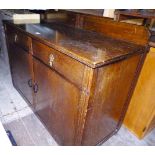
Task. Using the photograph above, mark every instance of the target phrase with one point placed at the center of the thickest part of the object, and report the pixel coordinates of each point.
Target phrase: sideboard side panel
(113, 85)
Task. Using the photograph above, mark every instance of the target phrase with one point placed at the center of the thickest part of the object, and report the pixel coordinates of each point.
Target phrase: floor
(27, 129)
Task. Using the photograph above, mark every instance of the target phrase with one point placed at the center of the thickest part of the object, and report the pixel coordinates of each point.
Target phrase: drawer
(22, 40)
(68, 67)
(9, 33)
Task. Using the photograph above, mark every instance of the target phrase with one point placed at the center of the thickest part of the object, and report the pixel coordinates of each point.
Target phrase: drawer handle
(15, 37)
(51, 59)
(4, 27)
(30, 83)
(35, 88)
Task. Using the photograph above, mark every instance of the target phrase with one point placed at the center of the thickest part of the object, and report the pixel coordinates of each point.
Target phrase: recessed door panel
(21, 69)
(56, 103)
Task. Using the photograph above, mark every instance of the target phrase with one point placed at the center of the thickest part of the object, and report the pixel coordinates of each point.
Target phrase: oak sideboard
(77, 74)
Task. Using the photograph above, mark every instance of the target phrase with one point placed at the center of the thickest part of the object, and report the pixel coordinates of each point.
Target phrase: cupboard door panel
(56, 103)
(21, 69)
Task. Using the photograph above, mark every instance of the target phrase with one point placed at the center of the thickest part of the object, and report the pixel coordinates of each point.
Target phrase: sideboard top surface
(91, 48)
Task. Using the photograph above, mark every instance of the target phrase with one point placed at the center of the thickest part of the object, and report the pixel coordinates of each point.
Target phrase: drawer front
(10, 34)
(22, 40)
(69, 68)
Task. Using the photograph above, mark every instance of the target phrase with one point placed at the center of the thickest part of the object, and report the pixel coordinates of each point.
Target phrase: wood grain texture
(106, 106)
(56, 103)
(20, 64)
(137, 14)
(61, 63)
(141, 113)
(107, 27)
(133, 33)
(89, 47)
(97, 12)
(81, 97)
(22, 40)
(83, 103)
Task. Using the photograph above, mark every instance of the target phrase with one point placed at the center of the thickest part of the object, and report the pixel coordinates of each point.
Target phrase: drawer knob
(35, 88)
(51, 59)
(30, 83)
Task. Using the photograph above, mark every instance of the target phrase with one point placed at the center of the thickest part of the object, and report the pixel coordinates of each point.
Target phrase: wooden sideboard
(76, 75)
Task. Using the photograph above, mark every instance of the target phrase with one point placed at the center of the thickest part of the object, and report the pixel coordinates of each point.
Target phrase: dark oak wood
(82, 79)
(20, 64)
(21, 72)
(90, 48)
(22, 41)
(145, 13)
(112, 86)
(109, 27)
(97, 12)
(61, 63)
(56, 102)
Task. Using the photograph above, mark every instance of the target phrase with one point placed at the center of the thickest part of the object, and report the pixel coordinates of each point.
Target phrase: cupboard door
(56, 103)
(21, 69)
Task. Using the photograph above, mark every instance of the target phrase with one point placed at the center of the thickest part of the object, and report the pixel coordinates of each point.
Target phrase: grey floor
(27, 129)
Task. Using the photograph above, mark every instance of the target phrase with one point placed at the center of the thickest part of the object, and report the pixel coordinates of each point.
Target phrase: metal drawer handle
(4, 27)
(30, 83)
(51, 59)
(15, 37)
(35, 88)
